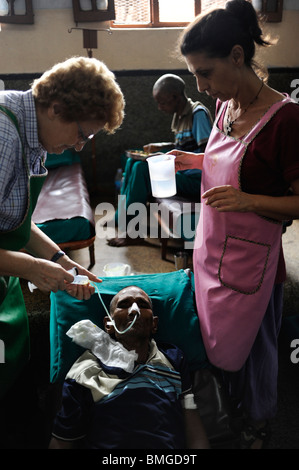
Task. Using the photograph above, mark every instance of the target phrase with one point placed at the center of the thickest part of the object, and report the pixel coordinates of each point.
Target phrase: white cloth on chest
(110, 352)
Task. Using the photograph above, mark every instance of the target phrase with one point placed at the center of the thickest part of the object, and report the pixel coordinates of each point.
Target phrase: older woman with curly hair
(63, 109)
(78, 97)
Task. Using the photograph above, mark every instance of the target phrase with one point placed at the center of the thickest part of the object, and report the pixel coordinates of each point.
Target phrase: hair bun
(244, 12)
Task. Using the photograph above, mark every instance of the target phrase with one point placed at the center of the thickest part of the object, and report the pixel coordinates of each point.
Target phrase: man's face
(166, 102)
(129, 303)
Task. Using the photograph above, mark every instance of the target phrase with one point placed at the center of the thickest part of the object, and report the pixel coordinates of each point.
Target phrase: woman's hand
(51, 277)
(48, 276)
(81, 292)
(228, 199)
(187, 160)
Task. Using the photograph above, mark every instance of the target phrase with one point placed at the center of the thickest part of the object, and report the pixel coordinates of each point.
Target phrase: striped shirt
(110, 408)
(192, 128)
(13, 170)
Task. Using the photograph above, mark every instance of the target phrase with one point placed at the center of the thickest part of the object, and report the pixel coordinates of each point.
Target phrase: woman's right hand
(187, 160)
(48, 276)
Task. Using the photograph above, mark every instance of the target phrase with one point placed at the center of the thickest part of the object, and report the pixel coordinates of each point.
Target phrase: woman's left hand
(228, 199)
(81, 292)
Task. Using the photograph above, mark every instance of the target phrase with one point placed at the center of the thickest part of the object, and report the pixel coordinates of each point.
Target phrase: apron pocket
(243, 264)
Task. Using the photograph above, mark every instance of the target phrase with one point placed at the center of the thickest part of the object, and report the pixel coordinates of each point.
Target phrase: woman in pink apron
(249, 166)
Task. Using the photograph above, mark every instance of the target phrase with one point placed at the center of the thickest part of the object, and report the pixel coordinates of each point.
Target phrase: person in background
(191, 126)
(63, 109)
(144, 403)
(250, 185)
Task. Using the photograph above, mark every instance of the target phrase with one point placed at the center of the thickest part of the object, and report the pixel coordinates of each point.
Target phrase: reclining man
(132, 394)
(191, 125)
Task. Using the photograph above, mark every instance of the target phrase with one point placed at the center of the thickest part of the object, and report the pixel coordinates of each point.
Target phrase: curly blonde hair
(86, 90)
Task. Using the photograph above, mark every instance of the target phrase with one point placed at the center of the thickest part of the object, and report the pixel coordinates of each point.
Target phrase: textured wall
(143, 122)
(35, 48)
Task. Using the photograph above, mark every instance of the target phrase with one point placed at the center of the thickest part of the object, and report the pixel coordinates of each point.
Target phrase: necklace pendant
(228, 128)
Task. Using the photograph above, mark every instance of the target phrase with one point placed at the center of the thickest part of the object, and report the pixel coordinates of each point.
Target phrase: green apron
(14, 329)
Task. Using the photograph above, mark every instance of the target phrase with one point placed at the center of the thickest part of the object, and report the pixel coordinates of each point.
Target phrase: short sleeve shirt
(13, 150)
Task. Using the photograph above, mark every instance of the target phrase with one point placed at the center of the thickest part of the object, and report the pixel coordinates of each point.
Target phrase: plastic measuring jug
(162, 175)
(117, 269)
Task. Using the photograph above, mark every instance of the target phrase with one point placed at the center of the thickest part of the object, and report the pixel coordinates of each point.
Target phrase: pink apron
(235, 256)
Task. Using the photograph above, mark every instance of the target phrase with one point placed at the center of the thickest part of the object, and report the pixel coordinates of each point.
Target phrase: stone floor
(147, 259)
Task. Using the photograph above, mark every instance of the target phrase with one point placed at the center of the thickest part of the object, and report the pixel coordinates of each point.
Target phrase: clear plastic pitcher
(162, 175)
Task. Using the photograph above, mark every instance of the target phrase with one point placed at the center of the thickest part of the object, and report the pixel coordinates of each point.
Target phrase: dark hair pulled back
(218, 31)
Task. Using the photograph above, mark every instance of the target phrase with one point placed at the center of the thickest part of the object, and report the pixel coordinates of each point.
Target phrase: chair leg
(163, 248)
(91, 256)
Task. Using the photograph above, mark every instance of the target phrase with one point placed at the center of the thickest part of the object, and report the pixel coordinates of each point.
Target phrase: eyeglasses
(83, 137)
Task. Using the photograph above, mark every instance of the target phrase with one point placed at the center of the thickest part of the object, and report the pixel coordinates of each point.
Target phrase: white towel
(110, 352)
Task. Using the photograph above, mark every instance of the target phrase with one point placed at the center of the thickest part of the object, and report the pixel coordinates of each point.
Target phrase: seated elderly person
(191, 127)
(126, 392)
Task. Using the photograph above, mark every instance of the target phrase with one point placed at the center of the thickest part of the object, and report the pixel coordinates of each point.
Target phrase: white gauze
(110, 352)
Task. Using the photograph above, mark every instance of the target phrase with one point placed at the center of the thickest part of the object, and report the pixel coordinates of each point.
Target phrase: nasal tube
(112, 322)
(134, 308)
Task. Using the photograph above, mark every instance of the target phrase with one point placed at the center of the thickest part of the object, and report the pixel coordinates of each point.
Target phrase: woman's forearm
(15, 263)
(40, 244)
(278, 208)
(229, 199)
